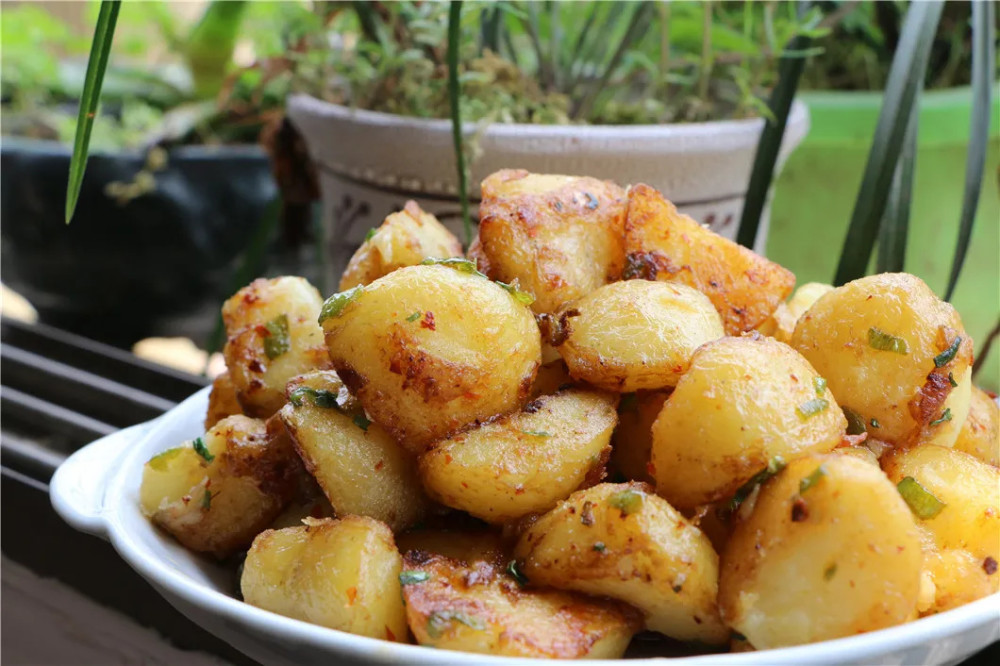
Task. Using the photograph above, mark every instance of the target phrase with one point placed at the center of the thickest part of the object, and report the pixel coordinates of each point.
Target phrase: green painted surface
(815, 193)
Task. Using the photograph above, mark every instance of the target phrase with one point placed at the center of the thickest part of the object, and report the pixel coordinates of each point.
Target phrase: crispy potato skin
(634, 335)
(342, 574)
(470, 353)
(969, 521)
(259, 379)
(980, 434)
(560, 237)
(781, 324)
(526, 462)
(361, 470)
(404, 239)
(903, 392)
(222, 401)
(466, 546)
(647, 555)
(736, 409)
(632, 441)
(841, 558)
(476, 608)
(663, 244)
(252, 476)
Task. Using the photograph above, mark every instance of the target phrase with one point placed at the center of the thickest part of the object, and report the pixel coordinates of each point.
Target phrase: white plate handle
(78, 486)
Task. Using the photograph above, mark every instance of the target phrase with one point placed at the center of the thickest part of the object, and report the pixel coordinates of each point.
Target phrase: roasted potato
(476, 608)
(956, 577)
(551, 377)
(891, 351)
(624, 542)
(342, 574)
(744, 402)
(829, 550)
(526, 462)
(216, 493)
(635, 335)
(222, 401)
(431, 349)
(360, 468)
(463, 545)
(979, 435)
(272, 336)
(663, 244)
(781, 324)
(476, 255)
(405, 239)
(632, 441)
(559, 237)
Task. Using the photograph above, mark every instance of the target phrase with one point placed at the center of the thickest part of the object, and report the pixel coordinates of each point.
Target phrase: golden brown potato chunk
(551, 378)
(632, 442)
(559, 237)
(222, 400)
(431, 349)
(781, 324)
(980, 434)
(829, 550)
(744, 402)
(405, 239)
(624, 542)
(342, 574)
(216, 493)
(663, 244)
(360, 468)
(892, 352)
(635, 335)
(476, 255)
(272, 336)
(476, 608)
(526, 462)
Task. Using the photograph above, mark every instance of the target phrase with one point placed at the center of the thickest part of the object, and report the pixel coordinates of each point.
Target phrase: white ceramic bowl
(97, 491)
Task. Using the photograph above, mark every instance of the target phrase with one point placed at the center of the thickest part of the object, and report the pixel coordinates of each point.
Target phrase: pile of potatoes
(606, 419)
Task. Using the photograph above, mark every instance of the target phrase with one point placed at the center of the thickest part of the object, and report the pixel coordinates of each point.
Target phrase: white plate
(97, 491)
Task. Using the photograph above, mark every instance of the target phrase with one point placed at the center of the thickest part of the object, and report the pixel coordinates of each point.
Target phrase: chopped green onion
(277, 341)
(945, 416)
(202, 450)
(811, 480)
(440, 621)
(820, 385)
(951, 380)
(875, 423)
(459, 264)
(537, 433)
(160, 461)
(362, 422)
(371, 232)
(206, 500)
(627, 501)
(320, 397)
(945, 357)
(522, 297)
(812, 407)
(413, 577)
(335, 305)
(775, 465)
(515, 572)
(855, 422)
(921, 501)
(830, 572)
(885, 342)
(415, 316)
(599, 546)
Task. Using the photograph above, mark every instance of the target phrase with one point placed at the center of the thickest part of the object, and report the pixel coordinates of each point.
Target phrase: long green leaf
(769, 145)
(100, 49)
(906, 77)
(983, 59)
(454, 37)
(896, 219)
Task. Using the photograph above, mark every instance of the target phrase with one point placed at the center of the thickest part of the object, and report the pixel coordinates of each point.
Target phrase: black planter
(121, 272)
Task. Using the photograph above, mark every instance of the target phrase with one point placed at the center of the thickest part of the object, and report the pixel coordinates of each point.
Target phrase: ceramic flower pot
(370, 163)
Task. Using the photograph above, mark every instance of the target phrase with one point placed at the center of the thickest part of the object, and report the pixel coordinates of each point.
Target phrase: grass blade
(100, 49)
(906, 76)
(789, 72)
(896, 219)
(454, 38)
(983, 57)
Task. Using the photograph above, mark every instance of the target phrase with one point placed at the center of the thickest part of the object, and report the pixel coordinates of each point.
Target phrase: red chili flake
(990, 566)
(650, 469)
(379, 465)
(428, 321)
(352, 594)
(447, 458)
(186, 499)
(464, 484)
(800, 510)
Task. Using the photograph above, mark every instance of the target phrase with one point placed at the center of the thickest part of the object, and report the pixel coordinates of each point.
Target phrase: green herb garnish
(459, 264)
(362, 422)
(820, 384)
(627, 501)
(775, 465)
(440, 621)
(885, 342)
(413, 577)
(600, 547)
(921, 501)
(335, 305)
(277, 341)
(522, 297)
(537, 433)
(855, 422)
(515, 572)
(202, 450)
(951, 380)
(830, 572)
(945, 416)
(811, 480)
(160, 461)
(812, 407)
(875, 424)
(319, 397)
(415, 316)
(945, 357)
(371, 232)
(206, 500)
